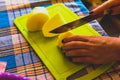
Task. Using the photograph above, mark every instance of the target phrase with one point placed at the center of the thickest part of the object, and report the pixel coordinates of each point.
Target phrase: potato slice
(62, 36)
(51, 24)
(36, 19)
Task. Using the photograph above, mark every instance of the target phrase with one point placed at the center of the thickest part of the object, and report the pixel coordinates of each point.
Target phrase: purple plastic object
(11, 76)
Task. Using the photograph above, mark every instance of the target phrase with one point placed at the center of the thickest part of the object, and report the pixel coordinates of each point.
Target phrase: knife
(77, 23)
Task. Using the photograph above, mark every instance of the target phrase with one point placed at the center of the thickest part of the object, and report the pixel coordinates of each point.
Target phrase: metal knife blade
(76, 23)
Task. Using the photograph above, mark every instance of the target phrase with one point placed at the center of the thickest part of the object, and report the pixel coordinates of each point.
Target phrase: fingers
(106, 6)
(77, 45)
(115, 10)
(82, 59)
(77, 52)
(76, 38)
(85, 60)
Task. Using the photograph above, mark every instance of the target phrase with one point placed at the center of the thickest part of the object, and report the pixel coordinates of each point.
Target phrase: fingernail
(91, 12)
(63, 41)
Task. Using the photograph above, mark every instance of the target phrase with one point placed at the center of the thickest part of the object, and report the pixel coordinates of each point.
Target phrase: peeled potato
(36, 19)
(62, 36)
(51, 24)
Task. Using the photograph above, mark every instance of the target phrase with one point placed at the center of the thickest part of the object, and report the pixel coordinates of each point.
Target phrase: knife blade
(76, 23)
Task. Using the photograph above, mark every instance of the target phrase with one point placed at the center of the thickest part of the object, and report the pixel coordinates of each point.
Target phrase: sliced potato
(51, 24)
(62, 36)
(36, 19)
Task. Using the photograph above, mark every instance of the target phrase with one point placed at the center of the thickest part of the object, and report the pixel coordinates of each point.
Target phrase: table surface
(19, 55)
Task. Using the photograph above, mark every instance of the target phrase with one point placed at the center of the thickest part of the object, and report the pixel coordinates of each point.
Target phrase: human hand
(92, 49)
(112, 6)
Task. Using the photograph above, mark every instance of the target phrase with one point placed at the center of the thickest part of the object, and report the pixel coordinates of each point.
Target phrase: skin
(94, 49)
(110, 5)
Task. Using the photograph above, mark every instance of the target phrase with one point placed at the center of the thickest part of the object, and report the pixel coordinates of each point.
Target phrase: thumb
(105, 6)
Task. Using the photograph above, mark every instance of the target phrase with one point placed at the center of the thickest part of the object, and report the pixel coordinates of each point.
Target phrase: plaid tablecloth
(16, 51)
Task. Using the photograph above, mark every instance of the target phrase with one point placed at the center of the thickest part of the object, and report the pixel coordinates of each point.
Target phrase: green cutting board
(46, 48)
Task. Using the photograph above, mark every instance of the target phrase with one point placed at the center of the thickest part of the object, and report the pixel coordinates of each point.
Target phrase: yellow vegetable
(51, 24)
(62, 36)
(36, 19)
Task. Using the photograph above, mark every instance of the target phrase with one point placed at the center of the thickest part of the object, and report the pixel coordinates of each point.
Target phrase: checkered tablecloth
(19, 55)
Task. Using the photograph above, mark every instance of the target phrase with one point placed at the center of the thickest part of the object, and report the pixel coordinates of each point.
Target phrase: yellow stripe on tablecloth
(8, 5)
(53, 1)
(60, 1)
(26, 3)
(31, 69)
(15, 4)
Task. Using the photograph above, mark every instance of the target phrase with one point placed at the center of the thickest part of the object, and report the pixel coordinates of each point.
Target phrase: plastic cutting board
(47, 50)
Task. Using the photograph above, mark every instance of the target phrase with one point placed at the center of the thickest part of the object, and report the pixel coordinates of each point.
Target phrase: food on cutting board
(39, 19)
(36, 19)
(46, 20)
(51, 24)
(62, 36)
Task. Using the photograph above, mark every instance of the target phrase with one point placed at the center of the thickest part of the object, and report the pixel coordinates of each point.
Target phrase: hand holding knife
(109, 7)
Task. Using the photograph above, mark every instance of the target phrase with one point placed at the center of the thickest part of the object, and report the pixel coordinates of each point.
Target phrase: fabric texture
(19, 55)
